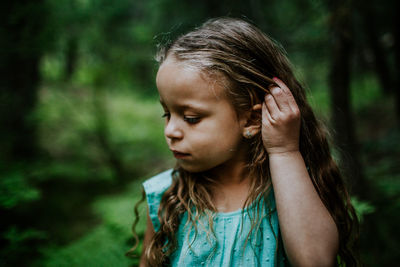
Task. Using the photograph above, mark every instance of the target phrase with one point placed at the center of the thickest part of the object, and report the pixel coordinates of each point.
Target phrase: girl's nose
(172, 130)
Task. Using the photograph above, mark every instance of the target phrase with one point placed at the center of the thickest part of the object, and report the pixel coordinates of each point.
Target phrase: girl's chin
(194, 168)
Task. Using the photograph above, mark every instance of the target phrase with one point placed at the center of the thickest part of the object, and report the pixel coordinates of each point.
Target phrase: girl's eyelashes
(191, 120)
(188, 119)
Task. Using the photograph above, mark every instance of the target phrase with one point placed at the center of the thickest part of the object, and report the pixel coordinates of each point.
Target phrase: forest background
(81, 126)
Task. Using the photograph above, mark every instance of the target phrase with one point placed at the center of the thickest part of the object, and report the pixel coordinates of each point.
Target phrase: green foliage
(99, 125)
(362, 207)
(364, 91)
(52, 67)
(105, 244)
(17, 237)
(71, 128)
(19, 242)
(15, 189)
(105, 43)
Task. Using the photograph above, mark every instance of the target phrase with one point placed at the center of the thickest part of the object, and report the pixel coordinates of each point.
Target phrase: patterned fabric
(228, 244)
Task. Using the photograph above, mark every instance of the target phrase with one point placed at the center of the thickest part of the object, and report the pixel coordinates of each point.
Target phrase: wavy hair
(247, 59)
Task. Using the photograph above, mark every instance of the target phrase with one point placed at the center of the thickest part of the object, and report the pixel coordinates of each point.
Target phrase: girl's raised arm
(309, 233)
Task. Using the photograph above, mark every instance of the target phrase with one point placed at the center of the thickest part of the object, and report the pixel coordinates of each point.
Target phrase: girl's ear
(253, 123)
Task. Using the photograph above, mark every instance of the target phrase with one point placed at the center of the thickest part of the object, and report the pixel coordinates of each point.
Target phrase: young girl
(254, 183)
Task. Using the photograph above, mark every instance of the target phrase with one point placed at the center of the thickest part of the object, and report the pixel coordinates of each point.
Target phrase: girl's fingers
(289, 96)
(271, 107)
(281, 84)
(266, 116)
(280, 98)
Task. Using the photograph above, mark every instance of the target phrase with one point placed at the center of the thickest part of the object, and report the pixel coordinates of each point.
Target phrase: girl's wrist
(289, 148)
(283, 153)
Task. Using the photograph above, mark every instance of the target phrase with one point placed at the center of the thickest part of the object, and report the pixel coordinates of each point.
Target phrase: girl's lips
(180, 155)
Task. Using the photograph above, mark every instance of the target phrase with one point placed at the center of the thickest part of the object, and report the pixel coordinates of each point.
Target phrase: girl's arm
(309, 233)
(147, 239)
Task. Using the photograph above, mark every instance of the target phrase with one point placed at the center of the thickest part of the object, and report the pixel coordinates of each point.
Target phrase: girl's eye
(165, 115)
(191, 120)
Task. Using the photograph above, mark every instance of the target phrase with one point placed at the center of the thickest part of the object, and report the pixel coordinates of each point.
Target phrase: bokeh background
(81, 126)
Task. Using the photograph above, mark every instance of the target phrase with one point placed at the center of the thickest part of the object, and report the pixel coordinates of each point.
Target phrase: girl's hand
(280, 120)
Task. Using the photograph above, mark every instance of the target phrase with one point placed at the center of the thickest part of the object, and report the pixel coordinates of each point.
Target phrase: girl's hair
(245, 60)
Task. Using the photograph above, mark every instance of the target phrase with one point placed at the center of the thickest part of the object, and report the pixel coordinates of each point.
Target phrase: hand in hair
(280, 120)
(309, 233)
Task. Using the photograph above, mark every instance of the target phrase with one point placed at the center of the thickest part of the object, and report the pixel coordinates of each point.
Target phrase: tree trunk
(21, 49)
(21, 40)
(103, 136)
(380, 62)
(71, 57)
(396, 31)
(72, 30)
(339, 83)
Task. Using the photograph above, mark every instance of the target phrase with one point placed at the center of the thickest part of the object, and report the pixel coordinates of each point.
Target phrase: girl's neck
(230, 174)
(231, 188)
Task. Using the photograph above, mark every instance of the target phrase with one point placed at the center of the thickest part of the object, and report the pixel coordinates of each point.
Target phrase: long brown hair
(246, 59)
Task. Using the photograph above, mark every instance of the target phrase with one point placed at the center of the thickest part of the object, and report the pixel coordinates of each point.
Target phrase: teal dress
(228, 247)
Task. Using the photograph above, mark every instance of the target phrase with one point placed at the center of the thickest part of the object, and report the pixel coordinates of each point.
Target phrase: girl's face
(202, 128)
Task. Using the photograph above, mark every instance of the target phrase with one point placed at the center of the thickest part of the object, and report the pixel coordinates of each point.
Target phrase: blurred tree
(339, 84)
(373, 42)
(72, 24)
(23, 39)
(396, 33)
(71, 57)
(102, 132)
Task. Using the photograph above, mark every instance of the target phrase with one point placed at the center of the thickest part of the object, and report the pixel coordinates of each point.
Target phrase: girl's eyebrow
(185, 106)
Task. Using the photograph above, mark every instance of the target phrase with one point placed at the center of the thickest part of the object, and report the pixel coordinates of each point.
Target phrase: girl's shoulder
(154, 189)
(158, 183)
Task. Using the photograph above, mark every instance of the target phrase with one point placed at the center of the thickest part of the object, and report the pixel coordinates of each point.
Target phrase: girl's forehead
(204, 69)
(178, 73)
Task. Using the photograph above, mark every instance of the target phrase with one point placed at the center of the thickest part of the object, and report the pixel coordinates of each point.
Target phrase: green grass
(105, 244)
